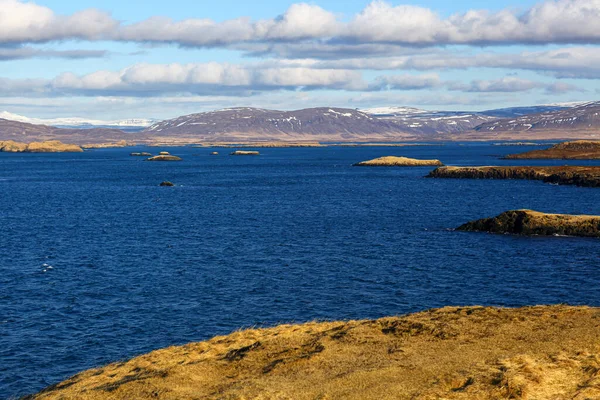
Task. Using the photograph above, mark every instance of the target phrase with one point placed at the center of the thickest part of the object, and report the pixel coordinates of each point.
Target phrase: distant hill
(426, 122)
(582, 120)
(245, 123)
(322, 123)
(25, 132)
(132, 125)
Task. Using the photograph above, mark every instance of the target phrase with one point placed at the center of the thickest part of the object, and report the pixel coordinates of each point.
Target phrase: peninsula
(561, 175)
(576, 150)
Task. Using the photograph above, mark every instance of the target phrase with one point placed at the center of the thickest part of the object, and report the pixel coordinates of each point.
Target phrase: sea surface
(99, 264)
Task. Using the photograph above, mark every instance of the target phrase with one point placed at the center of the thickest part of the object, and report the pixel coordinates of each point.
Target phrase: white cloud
(28, 22)
(551, 21)
(210, 79)
(147, 79)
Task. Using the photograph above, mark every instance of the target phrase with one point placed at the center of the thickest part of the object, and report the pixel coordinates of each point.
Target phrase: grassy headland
(544, 352)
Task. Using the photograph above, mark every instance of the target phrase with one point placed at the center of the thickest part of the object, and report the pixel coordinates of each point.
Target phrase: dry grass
(392, 161)
(544, 352)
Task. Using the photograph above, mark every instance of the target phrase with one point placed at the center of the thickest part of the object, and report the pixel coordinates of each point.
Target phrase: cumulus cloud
(148, 79)
(30, 23)
(551, 21)
(571, 62)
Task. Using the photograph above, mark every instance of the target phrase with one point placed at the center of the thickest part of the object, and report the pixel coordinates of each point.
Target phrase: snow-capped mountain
(392, 111)
(430, 122)
(583, 117)
(76, 122)
(323, 123)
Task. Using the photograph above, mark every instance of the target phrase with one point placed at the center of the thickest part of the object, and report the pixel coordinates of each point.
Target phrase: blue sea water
(98, 263)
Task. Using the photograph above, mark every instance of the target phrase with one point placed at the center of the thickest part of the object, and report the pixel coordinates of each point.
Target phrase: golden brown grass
(544, 352)
(392, 161)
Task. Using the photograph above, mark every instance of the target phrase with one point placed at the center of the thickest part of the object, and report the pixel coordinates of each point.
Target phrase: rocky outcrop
(576, 150)
(543, 352)
(52, 146)
(560, 175)
(392, 161)
(11, 146)
(214, 153)
(245, 153)
(166, 183)
(120, 143)
(164, 158)
(528, 222)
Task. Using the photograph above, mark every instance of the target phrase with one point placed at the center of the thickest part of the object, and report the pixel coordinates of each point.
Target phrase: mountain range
(326, 124)
(82, 123)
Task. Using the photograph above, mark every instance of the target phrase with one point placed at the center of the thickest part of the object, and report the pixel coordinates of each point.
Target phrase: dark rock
(528, 222)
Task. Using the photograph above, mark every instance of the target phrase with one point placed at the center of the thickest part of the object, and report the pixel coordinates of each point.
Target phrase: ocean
(99, 264)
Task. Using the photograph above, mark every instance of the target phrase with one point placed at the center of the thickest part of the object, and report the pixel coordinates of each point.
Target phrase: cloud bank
(147, 80)
(548, 22)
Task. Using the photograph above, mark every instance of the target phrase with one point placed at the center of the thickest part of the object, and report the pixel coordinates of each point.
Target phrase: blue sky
(157, 59)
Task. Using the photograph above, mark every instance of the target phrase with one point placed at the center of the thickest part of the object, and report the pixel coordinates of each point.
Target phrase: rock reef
(576, 150)
(164, 158)
(542, 352)
(52, 146)
(560, 175)
(120, 143)
(245, 153)
(140, 154)
(528, 222)
(392, 161)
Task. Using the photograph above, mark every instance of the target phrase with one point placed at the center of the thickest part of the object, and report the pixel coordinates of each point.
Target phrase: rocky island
(52, 146)
(528, 222)
(245, 153)
(560, 175)
(538, 352)
(120, 143)
(164, 156)
(392, 161)
(576, 150)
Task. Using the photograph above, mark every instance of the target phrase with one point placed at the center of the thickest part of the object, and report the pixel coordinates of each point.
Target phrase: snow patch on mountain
(77, 122)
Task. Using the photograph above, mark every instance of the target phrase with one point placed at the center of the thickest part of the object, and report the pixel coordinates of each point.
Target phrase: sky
(160, 59)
